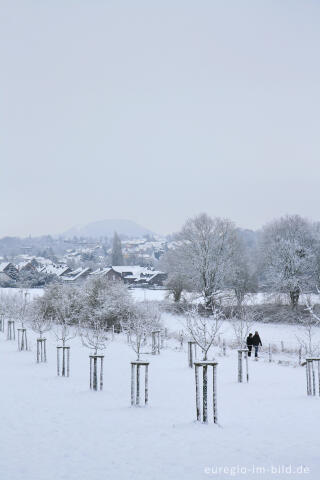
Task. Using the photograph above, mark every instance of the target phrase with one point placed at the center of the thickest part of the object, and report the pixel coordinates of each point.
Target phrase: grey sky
(157, 110)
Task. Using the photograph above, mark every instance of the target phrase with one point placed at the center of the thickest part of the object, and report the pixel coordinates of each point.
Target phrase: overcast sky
(157, 110)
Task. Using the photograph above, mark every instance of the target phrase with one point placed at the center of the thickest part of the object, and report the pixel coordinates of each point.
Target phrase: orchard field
(56, 428)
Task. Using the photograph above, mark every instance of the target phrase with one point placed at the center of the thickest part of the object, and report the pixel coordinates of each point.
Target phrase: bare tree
(65, 309)
(310, 308)
(94, 335)
(242, 277)
(9, 304)
(209, 247)
(22, 306)
(39, 320)
(306, 337)
(179, 279)
(141, 323)
(107, 299)
(242, 322)
(22, 302)
(64, 306)
(309, 330)
(93, 325)
(288, 253)
(204, 330)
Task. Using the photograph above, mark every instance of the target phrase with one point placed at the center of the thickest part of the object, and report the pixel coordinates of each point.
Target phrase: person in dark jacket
(249, 344)
(256, 342)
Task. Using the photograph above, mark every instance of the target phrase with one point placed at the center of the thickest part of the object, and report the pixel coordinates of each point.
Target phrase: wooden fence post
(204, 365)
(64, 352)
(96, 364)
(135, 382)
(242, 352)
(11, 330)
(312, 388)
(22, 339)
(41, 350)
(192, 353)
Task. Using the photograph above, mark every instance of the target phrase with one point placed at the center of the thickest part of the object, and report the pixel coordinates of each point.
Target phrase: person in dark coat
(249, 344)
(256, 342)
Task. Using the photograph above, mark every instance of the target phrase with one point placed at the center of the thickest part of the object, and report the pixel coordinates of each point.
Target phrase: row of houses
(130, 275)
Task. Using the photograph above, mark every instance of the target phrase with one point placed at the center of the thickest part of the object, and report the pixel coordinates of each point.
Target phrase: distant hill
(106, 228)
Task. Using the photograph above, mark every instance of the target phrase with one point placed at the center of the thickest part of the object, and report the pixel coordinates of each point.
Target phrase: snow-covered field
(270, 333)
(55, 428)
(259, 298)
(141, 294)
(33, 292)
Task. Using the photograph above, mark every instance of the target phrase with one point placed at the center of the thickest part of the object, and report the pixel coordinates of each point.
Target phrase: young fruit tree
(22, 305)
(101, 302)
(242, 323)
(204, 330)
(309, 330)
(143, 322)
(94, 336)
(144, 319)
(10, 308)
(309, 340)
(65, 310)
(288, 247)
(40, 322)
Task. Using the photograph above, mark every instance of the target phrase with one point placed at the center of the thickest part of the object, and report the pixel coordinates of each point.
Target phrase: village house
(132, 275)
(109, 273)
(76, 275)
(9, 269)
(28, 266)
(53, 269)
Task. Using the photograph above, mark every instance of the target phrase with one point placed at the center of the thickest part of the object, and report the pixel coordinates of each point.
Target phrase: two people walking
(254, 341)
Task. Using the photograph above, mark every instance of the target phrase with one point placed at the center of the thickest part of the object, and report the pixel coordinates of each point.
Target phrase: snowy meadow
(55, 427)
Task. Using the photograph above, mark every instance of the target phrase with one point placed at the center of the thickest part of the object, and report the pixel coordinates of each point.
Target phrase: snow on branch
(204, 330)
(145, 319)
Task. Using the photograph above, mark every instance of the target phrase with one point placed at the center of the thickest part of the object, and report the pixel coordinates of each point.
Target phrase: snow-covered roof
(43, 261)
(135, 270)
(75, 274)
(21, 265)
(55, 269)
(3, 266)
(100, 271)
(129, 272)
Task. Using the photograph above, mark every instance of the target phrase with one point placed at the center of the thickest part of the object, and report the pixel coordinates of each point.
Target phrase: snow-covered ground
(250, 299)
(270, 333)
(139, 294)
(55, 428)
(33, 292)
(142, 294)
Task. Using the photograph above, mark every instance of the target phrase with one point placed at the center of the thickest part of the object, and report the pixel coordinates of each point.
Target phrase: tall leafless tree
(209, 247)
(288, 253)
